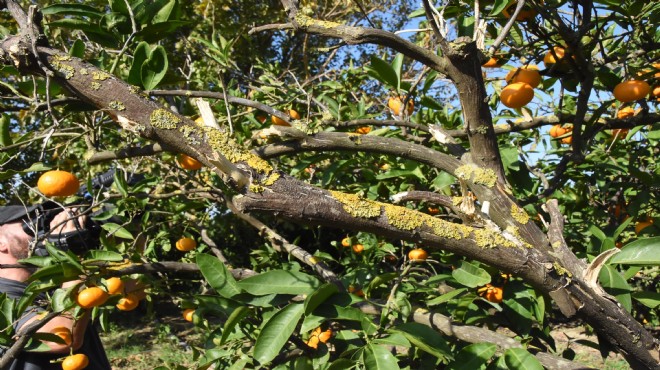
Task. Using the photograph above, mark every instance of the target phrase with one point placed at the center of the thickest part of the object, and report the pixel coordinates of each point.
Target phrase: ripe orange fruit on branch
(64, 333)
(549, 59)
(92, 297)
(395, 105)
(524, 15)
(186, 244)
(75, 362)
(624, 113)
(643, 224)
(417, 254)
(115, 285)
(491, 293)
(527, 74)
(187, 162)
(325, 336)
(280, 122)
(128, 303)
(631, 90)
(363, 130)
(58, 183)
(491, 63)
(517, 95)
(346, 242)
(358, 248)
(557, 130)
(188, 314)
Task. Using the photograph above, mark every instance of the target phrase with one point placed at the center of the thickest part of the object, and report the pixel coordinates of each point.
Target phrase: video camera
(85, 237)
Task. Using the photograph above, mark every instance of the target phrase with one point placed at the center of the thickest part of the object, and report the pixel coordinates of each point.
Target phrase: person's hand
(66, 220)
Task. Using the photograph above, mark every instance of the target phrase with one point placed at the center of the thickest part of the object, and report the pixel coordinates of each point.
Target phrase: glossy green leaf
(470, 275)
(102, 255)
(140, 55)
(164, 12)
(319, 296)
(378, 357)
(276, 332)
(520, 359)
(154, 68)
(236, 317)
(642, 252)
(616, 285)
(216, 273)
(446, 297)
(117, 230)
(5, 134)
(72, 9)
(648, 299)
(425, 338)
(383, 72)
(280, 282)
(473, 357)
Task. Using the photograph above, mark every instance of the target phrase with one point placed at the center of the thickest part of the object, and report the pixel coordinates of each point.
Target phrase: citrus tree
(342, 184)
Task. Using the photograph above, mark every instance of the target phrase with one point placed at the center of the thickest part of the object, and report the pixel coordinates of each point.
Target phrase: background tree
(398, 141)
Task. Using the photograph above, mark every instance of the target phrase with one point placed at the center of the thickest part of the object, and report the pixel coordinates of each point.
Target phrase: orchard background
(335, 137)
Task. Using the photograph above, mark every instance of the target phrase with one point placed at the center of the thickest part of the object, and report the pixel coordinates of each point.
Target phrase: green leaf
(640, 252)
(236, 316)
(164, 13)
(279, 282)
(383, 72)
(72, 9)
(519, 358)
(276, 332)
(100, 255)
(158, 31)
(140, 55)
(397, 66)
(319, 296)
(217, 275)
(154, 68)
(648, 299)
(122, 186)
(499, 6)
(616, 285)
(473, 356)
(425, 338)
(116, 230)
(5, 133)
(471, 275)
(379, 358)
(446, 297)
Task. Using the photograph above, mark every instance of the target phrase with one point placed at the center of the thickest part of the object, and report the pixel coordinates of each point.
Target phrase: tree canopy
(514, 142)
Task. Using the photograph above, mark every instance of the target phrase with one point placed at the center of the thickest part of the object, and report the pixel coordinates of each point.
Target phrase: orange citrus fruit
(188, 163)
(395, 104)
(128, 303)
(656, 92)
(631, 90)
(325, 336)
(624, 113)
(58, 183)
(280, 122)
(527, 74)
(557, 130)
(567, 140)
(550, 59)
(492, 293)
(620, 133)
(188, 314)
(517, 95)
(346, 242)
(115, 285)
(75, 362)
(64, 333)
(643, 224)
(417, 254)
(433, 210)
(491, 63)
(363, 130)
(92, 297)
(313, 341)
(185, 244)
(358, 248)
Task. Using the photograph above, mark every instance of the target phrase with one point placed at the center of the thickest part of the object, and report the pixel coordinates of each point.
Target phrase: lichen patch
(357, 206)
(164, 119)
(477, 175)
(519, 214)
(117, 105)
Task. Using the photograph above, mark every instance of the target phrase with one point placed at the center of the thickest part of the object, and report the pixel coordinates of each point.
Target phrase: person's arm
(61, 223)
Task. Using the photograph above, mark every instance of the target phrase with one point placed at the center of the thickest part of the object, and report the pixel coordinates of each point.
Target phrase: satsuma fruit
(517, 95)
(92, 297)
(188, 163)
(417, 255)
(631, 90)
(395, 105)
(58, 183)
(527, 74)
(186, 244)
(115, 285)
(78, 361)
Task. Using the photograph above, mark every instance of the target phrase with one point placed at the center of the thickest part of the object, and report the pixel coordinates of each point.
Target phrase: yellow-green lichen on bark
(357, 206)
(519, 214)
(117, 105)
(270, 180)
(305, 21)
(100, 75)
(456, 201)
(487, 238)
(84, 71)
(561, 271)
(230, 149)
(95, 85)
(164, 119)
(405, 218)
(477, 175)
(65, 70)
